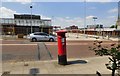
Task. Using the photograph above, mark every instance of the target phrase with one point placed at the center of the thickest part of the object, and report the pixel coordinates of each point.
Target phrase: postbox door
(64, 45)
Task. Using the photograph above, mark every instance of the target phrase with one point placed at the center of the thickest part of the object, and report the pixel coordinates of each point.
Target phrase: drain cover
(5, 73)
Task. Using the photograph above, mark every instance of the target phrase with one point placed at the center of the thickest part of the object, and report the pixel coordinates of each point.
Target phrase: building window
(10, 21)
(2, 20)
(6, 21)
(15, 21)
(26, 22)
(19, 22)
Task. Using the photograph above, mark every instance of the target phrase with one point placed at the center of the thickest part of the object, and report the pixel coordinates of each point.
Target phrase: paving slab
(92, 65)
(77, 36)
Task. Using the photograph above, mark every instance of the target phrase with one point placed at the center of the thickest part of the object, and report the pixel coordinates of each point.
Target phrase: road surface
(21, 50)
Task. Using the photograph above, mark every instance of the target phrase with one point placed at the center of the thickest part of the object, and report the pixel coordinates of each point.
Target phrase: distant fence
(100, 33)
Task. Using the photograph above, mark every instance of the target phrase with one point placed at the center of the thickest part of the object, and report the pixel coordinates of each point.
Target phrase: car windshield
(39, 33)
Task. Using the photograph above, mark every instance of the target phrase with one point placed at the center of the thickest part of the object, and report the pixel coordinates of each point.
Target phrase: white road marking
(78, 44)
(56, 44)
(17, 44)
(71, 44)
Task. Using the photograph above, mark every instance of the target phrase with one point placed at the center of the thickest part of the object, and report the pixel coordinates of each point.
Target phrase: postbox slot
(63, 40)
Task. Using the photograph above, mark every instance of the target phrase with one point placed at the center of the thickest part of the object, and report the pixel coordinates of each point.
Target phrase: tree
(113, 26)
(113, 52)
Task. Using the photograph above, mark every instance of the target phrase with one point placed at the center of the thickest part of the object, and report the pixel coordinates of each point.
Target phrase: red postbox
(62, 57)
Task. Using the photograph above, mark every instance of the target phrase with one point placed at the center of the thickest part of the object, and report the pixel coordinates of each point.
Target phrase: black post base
(62, 60)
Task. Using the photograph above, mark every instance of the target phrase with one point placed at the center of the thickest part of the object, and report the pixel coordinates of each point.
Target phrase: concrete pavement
(76, 36)
(76, 66)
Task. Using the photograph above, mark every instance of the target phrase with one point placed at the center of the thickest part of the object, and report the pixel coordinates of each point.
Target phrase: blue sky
(66, 13)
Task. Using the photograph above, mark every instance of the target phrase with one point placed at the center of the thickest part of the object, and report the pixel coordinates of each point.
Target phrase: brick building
(25, 24)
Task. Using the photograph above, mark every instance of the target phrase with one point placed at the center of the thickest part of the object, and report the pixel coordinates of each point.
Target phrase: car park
(41, 36)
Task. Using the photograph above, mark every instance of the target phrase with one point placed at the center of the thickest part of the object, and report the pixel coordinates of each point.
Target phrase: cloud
(67, 17)
(6, 13)
(45, 17)
(21, 1)
(65, 22)
(114, 10)
(111, 17)
(102, 0)
(106, 21)
(91, 8)
(61, 0)
(90, 17)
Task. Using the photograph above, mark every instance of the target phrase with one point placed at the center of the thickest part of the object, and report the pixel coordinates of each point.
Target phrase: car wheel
(51, 40)
(34, 39)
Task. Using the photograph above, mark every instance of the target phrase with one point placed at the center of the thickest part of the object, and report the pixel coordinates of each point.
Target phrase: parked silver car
(41, 36)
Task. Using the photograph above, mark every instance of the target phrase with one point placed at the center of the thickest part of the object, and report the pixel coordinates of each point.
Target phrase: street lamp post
(84, 15)
(94, 18)
(52, 21)
(42, 24)
(31, 19)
